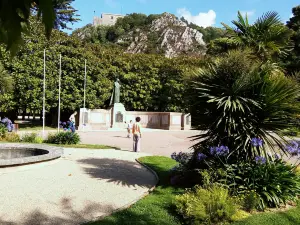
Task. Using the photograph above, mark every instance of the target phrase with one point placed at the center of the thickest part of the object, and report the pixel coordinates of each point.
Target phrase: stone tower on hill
(107, 19)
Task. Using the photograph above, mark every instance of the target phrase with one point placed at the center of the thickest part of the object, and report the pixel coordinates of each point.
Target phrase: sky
(201, 12)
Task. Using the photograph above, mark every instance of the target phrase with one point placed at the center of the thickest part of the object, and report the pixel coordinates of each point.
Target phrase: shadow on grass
(155, 209)
(68, 215)
(126, 173)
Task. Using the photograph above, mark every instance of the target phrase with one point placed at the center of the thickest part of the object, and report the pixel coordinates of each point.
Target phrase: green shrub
(32, 138)
(274, 183)
(206, 206)
(64, 138)
(29, 137)
(250, 201)
(3, 130)
(39, 140)
(11, 137)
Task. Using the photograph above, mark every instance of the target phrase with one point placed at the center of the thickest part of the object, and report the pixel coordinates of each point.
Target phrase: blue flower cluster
(293, 148)
(181, 157)
(201, 156)
(67, 126)
(257, 142)
(276, 156)
(260, 160)
(7, 123)
(219, 151)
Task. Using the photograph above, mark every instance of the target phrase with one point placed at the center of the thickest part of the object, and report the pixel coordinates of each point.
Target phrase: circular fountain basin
(13, 154)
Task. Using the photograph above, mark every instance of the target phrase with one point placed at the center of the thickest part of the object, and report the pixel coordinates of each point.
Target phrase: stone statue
(115, 97)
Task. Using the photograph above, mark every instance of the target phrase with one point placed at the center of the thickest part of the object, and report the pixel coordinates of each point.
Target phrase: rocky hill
(167, 35)
(162, 34)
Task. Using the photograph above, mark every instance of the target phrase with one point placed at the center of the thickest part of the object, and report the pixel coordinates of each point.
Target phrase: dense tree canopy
(149, 82)
(292, 62)
(15, 15)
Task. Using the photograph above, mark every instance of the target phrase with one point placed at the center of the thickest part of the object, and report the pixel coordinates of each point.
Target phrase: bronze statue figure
(115, 97)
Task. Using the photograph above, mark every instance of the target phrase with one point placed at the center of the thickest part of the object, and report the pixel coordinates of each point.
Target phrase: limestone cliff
(165, 35)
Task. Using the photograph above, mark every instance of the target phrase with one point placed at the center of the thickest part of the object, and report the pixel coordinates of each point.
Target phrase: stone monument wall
(117, 117)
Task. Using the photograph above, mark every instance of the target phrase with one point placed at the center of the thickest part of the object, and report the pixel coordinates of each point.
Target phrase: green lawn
(156, 208)
(290, 217)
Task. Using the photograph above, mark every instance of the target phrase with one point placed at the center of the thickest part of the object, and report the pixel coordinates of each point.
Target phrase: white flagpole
(59, 85)
(84, 88)
(44, 92)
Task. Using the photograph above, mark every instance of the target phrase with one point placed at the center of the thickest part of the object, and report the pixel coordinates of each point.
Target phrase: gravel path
(79, 187)
(155, 142)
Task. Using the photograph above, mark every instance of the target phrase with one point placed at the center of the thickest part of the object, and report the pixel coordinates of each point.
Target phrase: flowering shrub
(257, 142)
(260, 160)
(273, 181)
(219, 151)
(7, 123)
(67, 126)
(293, 148)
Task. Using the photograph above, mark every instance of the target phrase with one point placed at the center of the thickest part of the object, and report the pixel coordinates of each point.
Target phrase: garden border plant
(243, 105)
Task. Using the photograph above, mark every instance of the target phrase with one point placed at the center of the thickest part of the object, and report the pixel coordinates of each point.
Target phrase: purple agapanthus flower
(201, 156)
(173, 156)
(219, 151)
(257, 142)
(260, 160)
(277, 156)
(293, 148)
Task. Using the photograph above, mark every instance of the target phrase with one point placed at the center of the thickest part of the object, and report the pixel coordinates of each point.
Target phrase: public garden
(238, 164)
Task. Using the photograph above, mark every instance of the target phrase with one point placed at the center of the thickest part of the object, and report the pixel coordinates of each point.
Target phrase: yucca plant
(235, 99)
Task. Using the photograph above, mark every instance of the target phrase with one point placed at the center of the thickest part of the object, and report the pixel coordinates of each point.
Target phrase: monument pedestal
(118, 116)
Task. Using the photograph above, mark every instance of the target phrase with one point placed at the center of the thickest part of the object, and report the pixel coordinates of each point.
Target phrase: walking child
(129, 129)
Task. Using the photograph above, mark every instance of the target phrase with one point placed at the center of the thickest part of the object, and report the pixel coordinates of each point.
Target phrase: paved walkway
(155, 142)
(79, 187)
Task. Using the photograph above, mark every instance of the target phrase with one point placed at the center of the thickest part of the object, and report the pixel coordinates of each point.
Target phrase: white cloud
(248, 13)
(202, 19)
(292, 15)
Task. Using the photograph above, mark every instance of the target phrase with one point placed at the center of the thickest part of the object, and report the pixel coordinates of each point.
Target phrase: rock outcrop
(165, 35)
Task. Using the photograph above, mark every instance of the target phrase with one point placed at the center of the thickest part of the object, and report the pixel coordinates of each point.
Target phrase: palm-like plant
(236, 99)
(268, 37)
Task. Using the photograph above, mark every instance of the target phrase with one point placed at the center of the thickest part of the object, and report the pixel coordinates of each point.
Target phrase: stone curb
(53, 152)
(152, 171)
(133, 201)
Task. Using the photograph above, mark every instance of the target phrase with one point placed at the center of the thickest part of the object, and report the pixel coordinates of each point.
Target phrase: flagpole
(84, 89)
(44, 89)
(59, 86)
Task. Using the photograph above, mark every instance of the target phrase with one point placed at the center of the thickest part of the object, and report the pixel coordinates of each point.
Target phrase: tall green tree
(292, 62)
(15, 16)
(6, 88)
(65, 14)
(6, 82)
